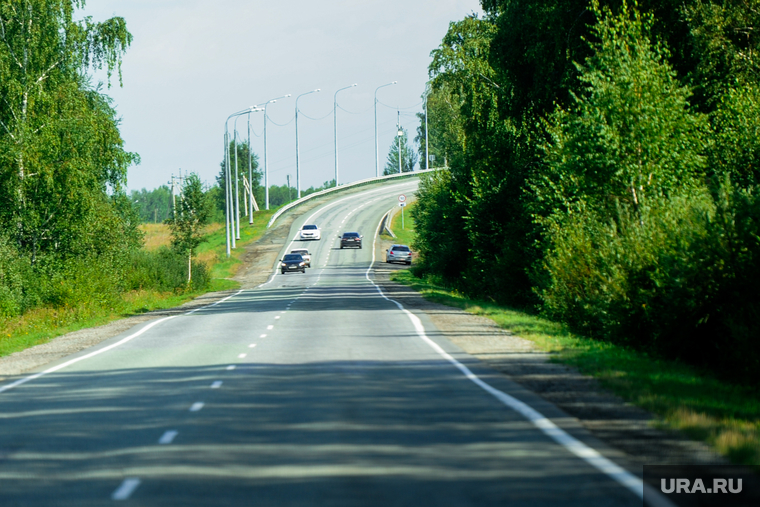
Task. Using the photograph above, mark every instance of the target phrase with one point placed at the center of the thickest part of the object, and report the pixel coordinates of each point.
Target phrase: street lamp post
(335, 121)
(298, 162)
(266, 166)
(427, 155)
(237, 179)
(399, 133)
(229, 218)
(250, 175)
(377, 156)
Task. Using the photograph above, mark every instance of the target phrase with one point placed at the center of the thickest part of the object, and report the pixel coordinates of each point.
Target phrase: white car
(305, 254)
(309, 232)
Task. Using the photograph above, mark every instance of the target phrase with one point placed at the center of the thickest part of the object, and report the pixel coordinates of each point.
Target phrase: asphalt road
(311, 390)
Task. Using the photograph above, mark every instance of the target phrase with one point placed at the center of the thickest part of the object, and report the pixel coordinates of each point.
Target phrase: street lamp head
(353, 84)
(318, 90)
(288, 95)
(395, 82)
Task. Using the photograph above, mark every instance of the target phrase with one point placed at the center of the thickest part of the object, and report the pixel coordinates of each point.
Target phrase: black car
(291, 263)
(351, 239)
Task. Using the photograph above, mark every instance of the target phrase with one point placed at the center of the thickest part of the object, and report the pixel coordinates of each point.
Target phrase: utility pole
(174, 202)
(288, 177)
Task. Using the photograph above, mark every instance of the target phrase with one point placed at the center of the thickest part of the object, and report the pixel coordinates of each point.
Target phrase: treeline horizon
(604, 162)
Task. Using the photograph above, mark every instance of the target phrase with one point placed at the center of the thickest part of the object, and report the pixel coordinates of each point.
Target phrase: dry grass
(158, 235)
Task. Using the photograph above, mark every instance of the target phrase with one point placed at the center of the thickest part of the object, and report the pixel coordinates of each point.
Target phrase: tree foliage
(67, 227)
(191, 214)
(604, 155)
(400, 149)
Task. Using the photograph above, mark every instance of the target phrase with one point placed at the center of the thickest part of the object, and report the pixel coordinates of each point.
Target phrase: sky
(193, 63)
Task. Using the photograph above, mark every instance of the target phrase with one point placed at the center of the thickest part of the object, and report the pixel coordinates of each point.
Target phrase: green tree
(153, 205)
(190, 216)
(242, 160)
(61, 152)
(630, 134)
(408, 156)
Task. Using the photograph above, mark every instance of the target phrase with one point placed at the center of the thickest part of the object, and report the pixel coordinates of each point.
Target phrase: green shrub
(163, 270)
(679, 279)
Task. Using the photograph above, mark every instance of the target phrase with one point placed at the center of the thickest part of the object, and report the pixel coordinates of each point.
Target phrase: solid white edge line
(105, 349)
(572, 444)
(128, 486)
(82, 358)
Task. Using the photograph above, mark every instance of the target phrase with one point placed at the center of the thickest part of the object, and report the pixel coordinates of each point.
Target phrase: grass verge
(404, 235)
(41, 325)
(725, 416)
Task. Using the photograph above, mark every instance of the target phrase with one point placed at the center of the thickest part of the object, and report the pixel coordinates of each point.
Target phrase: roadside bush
(441, 237)
(163, 270)
(678, 279)
(12, 274)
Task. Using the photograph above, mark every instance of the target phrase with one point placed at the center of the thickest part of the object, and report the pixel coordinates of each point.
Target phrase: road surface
(312, 390)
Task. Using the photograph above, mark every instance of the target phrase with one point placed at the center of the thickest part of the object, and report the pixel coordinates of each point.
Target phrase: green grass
(215, 249)
(725, 416)
(405, 235)
(43, 324)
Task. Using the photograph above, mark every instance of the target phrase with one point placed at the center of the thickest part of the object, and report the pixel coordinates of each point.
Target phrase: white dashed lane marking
(241, 356)
(231, 367)
(263, 336)
(195, 407)
(126, 489)
(251, 345)
(217, 384)
(168, 437)
(270, 327)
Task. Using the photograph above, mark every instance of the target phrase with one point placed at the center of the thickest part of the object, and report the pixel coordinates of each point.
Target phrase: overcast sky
(194, 62)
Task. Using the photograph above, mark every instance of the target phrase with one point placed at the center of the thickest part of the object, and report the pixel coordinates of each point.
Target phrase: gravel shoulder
(617, 423)
(607, 417)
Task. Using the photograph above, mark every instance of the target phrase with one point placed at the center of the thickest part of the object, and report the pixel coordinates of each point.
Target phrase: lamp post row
(232, 207)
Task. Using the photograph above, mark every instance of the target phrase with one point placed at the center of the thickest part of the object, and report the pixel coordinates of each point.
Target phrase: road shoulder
(607, 417)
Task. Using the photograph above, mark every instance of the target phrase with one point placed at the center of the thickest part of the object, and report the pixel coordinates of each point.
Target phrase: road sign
(402, 198)
(402, 204)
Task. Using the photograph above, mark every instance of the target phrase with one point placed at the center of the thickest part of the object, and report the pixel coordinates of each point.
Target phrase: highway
(313, 389)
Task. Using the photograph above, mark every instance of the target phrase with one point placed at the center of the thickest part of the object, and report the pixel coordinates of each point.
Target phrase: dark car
(350, 239)
(399, 253)
(292, 262)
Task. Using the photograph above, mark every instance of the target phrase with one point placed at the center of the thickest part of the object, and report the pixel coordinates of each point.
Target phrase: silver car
(305, 254)
(399, 253)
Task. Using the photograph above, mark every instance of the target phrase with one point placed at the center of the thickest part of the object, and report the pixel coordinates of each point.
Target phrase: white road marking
(251, 345)
(216, 384)
(241, 356)
(231, 367)
(104, 349)
(572, 444)
(263, 336)
(277, 317)
(168, 437)
(126, 489)
(196, 406)
(270, 327)
(284, 312)
(82, 358)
